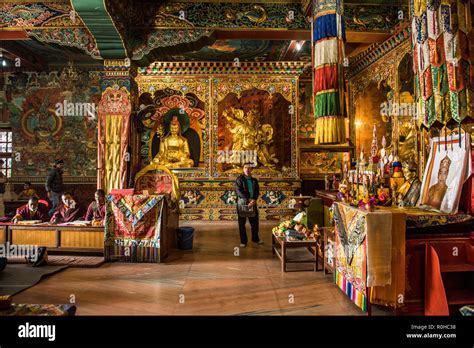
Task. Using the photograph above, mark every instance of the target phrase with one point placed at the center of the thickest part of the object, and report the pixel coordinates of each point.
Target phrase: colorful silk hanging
(442, 61)
(328, 55)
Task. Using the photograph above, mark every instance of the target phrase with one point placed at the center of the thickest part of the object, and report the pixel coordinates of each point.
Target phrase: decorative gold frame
(198, 85)
(211, 82)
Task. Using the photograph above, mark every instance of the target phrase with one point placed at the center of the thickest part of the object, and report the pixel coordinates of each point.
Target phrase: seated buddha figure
(174, 149)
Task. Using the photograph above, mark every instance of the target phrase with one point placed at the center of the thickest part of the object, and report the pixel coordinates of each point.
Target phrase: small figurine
(394, 194)
(326, 183)
(334, 182)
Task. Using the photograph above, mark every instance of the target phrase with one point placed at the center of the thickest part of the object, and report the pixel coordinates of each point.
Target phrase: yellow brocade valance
(329, 130)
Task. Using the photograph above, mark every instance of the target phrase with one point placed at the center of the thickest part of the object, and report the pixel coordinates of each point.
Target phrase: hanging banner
(328, 55)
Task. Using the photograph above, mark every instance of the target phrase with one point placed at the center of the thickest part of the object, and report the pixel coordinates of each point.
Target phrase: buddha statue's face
(174, 129)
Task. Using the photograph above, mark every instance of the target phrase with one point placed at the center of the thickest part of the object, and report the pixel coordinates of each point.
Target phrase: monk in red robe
(96, 210)
(31, 211)
(68, 211)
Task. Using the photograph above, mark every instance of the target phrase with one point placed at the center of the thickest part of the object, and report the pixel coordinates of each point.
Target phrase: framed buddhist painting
(447, 168)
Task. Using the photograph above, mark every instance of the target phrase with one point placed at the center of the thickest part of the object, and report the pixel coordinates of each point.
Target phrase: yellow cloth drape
(393, 295)
(113, 125)
(330, 130)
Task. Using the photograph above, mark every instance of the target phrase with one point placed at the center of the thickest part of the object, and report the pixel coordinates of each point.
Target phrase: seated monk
(96, 210)
(68, 211)
(28, 191)
(31, 211)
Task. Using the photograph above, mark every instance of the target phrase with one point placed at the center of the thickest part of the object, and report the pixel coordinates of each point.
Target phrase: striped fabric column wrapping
(328, 55)
(442, 61)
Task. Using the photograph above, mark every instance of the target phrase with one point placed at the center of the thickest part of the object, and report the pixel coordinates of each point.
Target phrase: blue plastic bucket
(185, 238)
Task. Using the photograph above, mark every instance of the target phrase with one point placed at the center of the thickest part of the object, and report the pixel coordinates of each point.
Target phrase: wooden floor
(209, 280)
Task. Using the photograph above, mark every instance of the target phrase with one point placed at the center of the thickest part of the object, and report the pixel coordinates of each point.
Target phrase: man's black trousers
(253, 227)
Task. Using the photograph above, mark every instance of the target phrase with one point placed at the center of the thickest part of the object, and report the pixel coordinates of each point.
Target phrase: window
(6, 152)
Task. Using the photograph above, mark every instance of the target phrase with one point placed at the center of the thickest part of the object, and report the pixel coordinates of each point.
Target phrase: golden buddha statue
(249, 135)
(437, 191)
(174, 149)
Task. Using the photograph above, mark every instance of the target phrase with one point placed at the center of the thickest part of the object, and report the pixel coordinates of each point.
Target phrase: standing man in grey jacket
(54, 185)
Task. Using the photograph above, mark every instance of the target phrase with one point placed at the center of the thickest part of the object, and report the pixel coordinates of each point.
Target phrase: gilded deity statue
(174, 149)
(437, 191)
(249, 135)
(409, 192)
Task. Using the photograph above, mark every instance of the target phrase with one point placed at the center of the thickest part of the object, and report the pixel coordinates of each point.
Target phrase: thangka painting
(447, 168)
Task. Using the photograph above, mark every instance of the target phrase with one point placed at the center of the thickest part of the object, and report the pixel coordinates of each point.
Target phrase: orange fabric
(436, 302)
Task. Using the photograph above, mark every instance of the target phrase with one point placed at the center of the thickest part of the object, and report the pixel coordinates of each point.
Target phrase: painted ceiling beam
(97, 19)
(13, 35)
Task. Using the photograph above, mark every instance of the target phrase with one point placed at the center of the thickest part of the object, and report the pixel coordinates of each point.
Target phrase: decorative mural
(41, 135)
(50, 23)
(273, 197)
(166, 38)
(306, 129)
(229, 15)
(192, 198)
(72, 37)
(359, 17)
(228, 50)
(34, 14)
(318, 164)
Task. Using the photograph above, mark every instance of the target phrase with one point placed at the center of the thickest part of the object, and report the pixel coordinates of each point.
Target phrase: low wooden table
(60, 239)
(282, 244)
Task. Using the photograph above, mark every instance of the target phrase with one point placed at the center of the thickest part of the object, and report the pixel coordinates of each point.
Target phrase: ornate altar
(382, 94)
(141, 224)
(204, 120)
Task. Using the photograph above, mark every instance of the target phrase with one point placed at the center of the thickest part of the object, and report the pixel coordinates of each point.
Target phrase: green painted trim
(97, 19)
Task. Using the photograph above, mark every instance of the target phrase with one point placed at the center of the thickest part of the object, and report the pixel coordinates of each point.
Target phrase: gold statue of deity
(174, 149)
(249, 135)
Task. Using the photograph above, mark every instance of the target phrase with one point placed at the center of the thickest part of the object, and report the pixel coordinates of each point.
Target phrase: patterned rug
(63, 260)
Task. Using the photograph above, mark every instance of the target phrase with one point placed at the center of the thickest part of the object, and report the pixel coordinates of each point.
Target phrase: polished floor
(212, 279)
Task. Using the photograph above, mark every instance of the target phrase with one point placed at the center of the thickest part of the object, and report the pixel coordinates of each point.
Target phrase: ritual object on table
(397, 178)
(295, 229)
(368, 203)
(280, 230)
(343, 193)
(374, 159)
(301, 202)
(383, 197)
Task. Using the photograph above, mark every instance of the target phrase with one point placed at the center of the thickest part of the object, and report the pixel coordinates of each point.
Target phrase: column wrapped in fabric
(328, 56)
